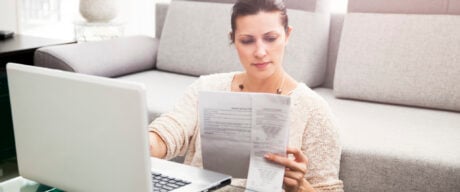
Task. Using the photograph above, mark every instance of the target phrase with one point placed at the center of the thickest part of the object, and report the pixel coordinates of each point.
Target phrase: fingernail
(267, 156)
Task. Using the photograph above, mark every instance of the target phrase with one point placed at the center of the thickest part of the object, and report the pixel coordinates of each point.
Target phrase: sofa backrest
(195, 39)
(405, 6)
(407, 59)
(451, 7)
(382, 6)
(204, 47)
(402, 59)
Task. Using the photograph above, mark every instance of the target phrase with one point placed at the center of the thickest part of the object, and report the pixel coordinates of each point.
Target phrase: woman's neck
(271, 84)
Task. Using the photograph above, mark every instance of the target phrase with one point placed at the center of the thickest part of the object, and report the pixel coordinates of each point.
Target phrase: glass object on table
(91, 31)
(20, 184)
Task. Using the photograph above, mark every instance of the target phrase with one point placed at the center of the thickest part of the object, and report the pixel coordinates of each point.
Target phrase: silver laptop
(79, 132)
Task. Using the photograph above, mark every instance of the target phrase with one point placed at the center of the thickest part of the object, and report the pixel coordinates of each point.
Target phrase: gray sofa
(390, 71)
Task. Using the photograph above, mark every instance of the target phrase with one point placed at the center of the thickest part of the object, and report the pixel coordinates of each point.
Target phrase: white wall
(339, 6)
(139, 16)
(8, 15)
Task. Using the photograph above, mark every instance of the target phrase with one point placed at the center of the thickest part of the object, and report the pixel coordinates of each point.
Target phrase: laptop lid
(79, 132)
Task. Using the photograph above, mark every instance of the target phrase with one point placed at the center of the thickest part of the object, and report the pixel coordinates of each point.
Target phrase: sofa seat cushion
(396, 148)
(163, 89)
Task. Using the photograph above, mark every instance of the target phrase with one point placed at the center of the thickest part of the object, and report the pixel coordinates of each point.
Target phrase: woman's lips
(261, 65)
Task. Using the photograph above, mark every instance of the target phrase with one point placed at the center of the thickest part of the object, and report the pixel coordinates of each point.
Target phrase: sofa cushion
(195, 41)
(401, 59)
(306, 53)
(163, 89)
(396, 148)
(105, 58)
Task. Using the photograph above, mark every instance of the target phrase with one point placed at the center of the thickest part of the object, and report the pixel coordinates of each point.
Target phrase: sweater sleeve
(177, 127)
(322, 147)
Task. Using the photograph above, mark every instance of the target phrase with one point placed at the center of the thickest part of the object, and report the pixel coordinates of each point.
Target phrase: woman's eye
(270, 39)
(247, 41)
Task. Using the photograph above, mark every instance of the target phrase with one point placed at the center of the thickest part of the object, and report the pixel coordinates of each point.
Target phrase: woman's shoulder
(305, 97)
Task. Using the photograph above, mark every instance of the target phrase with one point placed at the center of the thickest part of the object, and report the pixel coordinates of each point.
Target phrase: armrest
(108, 58)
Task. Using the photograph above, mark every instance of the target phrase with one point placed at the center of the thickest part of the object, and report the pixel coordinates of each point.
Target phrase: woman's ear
(230, 36)
(288, 33)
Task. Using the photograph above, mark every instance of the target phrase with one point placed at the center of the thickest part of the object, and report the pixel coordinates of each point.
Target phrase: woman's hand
(294, 175)
(156, 145)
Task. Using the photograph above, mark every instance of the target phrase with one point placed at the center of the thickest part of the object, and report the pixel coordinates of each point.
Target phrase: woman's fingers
(296, 175)
(292, 180)
(298, 154)
(282, 161)
(295, 168)
(289, 182)
(293, 165)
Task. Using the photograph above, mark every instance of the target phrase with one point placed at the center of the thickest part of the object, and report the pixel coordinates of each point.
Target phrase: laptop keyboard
(163, 183)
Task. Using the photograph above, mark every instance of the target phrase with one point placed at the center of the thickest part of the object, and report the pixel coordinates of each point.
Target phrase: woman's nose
(261, 50)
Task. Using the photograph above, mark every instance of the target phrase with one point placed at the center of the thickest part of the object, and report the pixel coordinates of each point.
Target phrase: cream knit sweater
(312, 130)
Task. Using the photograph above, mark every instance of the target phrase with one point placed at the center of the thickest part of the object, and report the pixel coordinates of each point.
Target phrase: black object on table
(6, 34)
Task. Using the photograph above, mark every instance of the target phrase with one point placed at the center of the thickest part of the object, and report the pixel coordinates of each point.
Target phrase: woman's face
(260, 41)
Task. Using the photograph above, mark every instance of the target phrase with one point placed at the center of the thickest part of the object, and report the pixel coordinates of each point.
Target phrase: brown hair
(252, 7)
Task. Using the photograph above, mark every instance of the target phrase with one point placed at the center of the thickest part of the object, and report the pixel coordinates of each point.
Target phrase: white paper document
(238, 129)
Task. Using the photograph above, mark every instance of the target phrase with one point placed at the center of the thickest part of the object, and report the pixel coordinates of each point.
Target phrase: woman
(260, 33)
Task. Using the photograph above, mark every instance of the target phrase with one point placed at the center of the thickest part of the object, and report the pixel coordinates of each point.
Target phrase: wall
(139, 16)
(8, 15)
